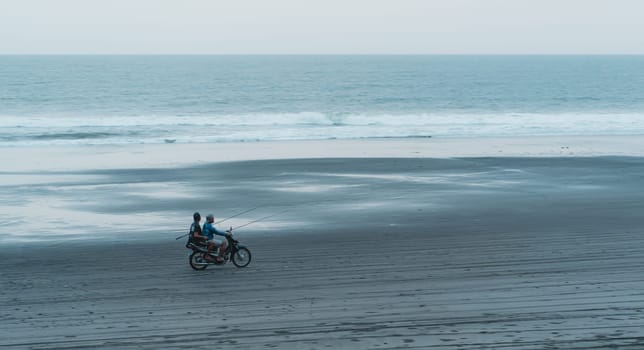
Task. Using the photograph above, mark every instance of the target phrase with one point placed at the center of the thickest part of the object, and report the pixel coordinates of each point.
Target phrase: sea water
(70, 100)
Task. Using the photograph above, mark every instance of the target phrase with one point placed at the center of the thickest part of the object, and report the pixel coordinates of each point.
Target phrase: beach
(508, 243)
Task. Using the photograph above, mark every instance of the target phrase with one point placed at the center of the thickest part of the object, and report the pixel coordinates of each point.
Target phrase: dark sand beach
(472, 253)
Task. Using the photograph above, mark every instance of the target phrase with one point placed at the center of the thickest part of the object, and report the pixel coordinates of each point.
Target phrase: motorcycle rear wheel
(242, 257)
(195, 260)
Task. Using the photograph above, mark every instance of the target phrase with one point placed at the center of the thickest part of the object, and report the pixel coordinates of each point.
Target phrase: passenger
(210, 231)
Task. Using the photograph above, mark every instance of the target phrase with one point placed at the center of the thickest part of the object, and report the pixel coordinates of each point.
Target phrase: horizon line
(321, 54)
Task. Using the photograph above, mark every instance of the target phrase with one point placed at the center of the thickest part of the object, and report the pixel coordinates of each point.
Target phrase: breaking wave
(64, 130)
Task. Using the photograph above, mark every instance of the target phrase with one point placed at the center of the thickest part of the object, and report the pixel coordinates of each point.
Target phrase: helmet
(210, 217)
(196, 216)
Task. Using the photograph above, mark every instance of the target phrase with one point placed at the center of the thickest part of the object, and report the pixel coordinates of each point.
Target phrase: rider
(210, 231)
(197, 236)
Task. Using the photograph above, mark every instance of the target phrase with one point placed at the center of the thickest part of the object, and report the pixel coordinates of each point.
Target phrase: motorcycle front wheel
(197, 261)
(241, 258)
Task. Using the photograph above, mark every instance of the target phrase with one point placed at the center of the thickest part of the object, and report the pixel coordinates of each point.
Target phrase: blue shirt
(210, 231)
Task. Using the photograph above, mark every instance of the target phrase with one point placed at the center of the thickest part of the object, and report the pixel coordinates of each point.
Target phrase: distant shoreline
(325, 54)
(170, 155)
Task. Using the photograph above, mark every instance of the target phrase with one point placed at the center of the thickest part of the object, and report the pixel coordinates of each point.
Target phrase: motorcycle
(235, 252)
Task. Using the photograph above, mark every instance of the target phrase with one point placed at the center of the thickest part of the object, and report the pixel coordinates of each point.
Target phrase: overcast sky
(322, 26)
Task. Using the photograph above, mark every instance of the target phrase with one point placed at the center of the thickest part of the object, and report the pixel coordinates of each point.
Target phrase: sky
(321, 27)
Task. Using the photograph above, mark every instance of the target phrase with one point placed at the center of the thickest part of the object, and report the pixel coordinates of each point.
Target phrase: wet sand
(381, 253)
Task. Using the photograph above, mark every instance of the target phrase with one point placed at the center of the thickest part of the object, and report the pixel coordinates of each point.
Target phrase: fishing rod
(260, 219)
(220, 221)
(234, 216)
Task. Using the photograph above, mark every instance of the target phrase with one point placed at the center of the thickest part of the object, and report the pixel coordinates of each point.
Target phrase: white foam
(100, 130)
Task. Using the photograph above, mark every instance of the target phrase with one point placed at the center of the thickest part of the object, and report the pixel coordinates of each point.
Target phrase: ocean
(73, 100)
